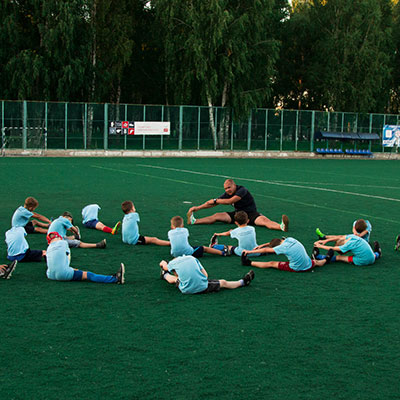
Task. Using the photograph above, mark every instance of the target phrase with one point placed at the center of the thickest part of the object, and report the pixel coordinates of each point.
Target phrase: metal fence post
(249, 132)
(266, 130)
(281, 139)
(370, 130)
(384, 123)
(297, 129)
(232, 126)
(24, 123)
(144, 119)
(125, 119)
(85, 128)
(312, 131)
(66, 126)
(180, 127)
(198, 127)
(45, 126)
(105, 126)
(162, 119)
(215, 127)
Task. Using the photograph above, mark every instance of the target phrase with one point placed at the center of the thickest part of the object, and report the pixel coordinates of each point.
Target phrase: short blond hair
(177, 221)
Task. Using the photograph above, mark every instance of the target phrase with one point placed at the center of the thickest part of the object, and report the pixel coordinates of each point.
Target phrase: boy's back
(296, 253)
(363, 254)
(21, 217)
(179, 242)
(246, 235)
(16, 242)
(130, 228)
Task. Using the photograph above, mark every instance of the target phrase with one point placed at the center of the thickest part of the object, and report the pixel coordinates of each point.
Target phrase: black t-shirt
(246, 202)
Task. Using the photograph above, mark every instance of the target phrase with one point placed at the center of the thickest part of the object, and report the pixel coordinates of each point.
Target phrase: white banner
(152, 128)
(391, 136)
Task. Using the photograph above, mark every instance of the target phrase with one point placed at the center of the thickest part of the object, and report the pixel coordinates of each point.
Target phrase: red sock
(107, 229)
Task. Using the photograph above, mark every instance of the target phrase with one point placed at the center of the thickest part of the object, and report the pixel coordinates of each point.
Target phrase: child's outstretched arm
(41, 217)
(227, 233)
(260, 250)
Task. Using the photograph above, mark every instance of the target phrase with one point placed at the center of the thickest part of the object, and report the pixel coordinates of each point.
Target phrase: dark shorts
(284, 266)
(213, 286)
(141, 240)
(91, 224)
(252, 216)
(29, 228)
(198, 252)
(32, 256)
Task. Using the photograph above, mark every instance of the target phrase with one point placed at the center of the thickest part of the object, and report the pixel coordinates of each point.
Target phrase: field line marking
(274, 183)
(256, 194)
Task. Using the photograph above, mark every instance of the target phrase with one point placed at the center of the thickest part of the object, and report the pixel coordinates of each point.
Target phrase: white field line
(274, 183)
(256, 194)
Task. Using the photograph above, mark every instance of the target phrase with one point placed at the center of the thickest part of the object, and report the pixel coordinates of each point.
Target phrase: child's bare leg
(229, 284)
(320, 263)
(87, 245)
(211, 250)
(269, 264)
(343, 259)
(100, 226)
(41, 224)
(156, 241)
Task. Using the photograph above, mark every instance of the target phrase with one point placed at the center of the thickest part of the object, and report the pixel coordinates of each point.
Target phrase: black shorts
(198, 252)
(213, 286)
(29, 228)
(141, 240)
(252, 216)
(32, 256)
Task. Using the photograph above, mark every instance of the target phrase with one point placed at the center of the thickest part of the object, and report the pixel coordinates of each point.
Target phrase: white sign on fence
(391, 136)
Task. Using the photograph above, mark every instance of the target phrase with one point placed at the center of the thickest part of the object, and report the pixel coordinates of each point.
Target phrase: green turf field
(328, 334)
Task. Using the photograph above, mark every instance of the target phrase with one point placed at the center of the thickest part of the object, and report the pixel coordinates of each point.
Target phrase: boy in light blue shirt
(187, 273)
(299, 261)
(90, 215)
(361, 227)
(362, 253)
(245, 234)
(63, 224)
(130, 228)
(23, 214)
(58, 264)
(18, 248)
(178, 237)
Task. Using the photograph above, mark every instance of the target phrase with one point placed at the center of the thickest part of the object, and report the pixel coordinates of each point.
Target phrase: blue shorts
(29, 256)
(91, 224)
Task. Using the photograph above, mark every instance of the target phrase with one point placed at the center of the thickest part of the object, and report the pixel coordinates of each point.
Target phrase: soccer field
(328, 334)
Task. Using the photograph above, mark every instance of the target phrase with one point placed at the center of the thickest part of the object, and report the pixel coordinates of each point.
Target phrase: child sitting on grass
(90, 220)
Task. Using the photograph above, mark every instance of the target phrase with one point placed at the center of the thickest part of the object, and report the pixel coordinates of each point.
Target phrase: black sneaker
(102, 244)
(397, 245)
(77, 235)
(315, 253)
(245, 260)
(377, 249)
(226, 252)
(329, 256)
(214, 240)
(248, 278)
(120, 275)
(9, 270)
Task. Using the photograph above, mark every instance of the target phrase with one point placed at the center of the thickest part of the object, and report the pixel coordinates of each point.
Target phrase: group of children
(185, 270)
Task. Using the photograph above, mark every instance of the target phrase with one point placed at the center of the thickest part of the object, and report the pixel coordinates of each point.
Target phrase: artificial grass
(331, 333)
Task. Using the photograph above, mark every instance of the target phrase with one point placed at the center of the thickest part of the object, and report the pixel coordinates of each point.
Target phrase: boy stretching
(7, 270)
(245, 234)
(130, 228)
(63, 224)
(361, 227)
(58, 269)
(362, 252)
(18, 248)
(90, 215)
(178, 237)
(299, 261)
(23, 214)
(190, 277)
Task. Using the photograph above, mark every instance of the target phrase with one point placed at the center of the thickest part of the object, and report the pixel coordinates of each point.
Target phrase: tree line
(307, 54)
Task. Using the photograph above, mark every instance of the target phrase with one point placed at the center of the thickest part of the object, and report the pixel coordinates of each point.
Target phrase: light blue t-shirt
(130, 228)
(362, 252)
(21, 217)
(246, 237)
(296, 254)
(90, 212)
(60, 225)
(58, 262)
(191, 279)
(16, 243)
(369, 229)
(179, 242)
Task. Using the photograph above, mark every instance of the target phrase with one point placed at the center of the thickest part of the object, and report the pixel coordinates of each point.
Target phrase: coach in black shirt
(240, 198)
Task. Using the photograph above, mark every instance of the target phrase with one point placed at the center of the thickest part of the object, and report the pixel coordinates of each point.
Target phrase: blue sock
(377, 255)
(218, 247)
(320, 257)
(100, 278)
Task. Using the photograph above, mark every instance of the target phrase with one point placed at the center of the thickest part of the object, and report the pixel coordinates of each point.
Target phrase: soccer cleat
(245, 260)
(226, 251)
(102, 244)
(315, 253)
(214, 240)
(329, 256)
(377, 249)
(248, 278)
(116, 228)
(190, 218)
(77, 236)
(7, 272)
(397, 245)
(321, 235)
(120, 275)
(285, 223)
